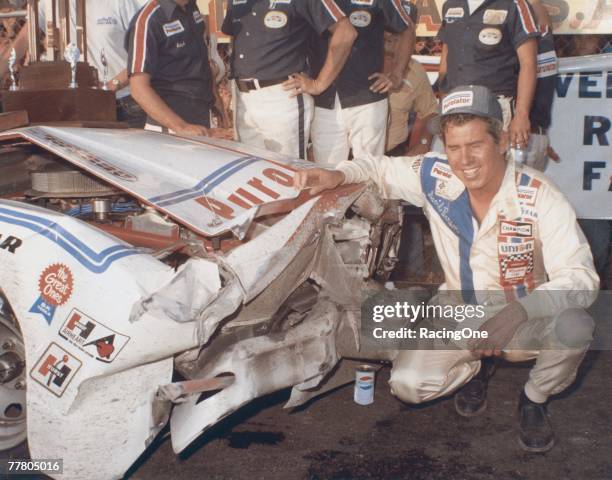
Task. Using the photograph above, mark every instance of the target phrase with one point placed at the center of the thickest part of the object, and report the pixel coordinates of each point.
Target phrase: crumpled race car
(147, 278)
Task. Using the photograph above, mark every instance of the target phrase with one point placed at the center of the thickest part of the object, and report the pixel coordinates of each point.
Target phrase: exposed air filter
(68, 183)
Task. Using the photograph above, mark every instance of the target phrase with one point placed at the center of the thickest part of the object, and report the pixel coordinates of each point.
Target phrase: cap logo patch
(457, 100)
(494, 17)
(490, 36)
(360, 18)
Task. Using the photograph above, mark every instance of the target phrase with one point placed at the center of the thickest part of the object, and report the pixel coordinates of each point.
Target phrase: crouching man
(502, 231)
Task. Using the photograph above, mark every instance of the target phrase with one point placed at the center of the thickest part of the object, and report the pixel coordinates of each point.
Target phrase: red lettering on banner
(279, 177)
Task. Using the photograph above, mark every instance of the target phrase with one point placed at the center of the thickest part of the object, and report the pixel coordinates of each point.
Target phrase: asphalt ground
(334, 438)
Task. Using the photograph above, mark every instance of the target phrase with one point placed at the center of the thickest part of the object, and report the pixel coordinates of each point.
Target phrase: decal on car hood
(209, 186)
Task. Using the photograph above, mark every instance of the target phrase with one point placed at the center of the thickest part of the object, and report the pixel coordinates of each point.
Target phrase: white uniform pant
(336, 131)
(422, 375)
(268, 118)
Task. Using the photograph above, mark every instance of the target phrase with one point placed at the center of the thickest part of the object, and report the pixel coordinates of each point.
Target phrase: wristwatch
(424, 141)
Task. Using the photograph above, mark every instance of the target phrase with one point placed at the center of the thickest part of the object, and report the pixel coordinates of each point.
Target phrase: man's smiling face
(474, 155)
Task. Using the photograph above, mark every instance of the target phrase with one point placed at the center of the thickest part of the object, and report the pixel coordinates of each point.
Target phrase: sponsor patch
(9, 243)
(367, 3)
(107, 21)
(529, 213)
(173, 28)
(494, 17)
(442, 171)
(515, 269)
(520, 229)
(55, 285)
(547, 64)
(454, 13)
(512, 248)
(55, 369)
(490, 36)
(197, 17)
(239, 2)
(527, 195)
(274, 2)
(416, 164)
(92, 337)
(275, 19)
(457, 100)
(360, 18)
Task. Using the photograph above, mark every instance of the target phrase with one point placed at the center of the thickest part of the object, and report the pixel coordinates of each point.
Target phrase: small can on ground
(364, 385)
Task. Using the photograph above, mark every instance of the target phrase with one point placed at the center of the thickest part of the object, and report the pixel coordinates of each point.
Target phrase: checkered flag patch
(519, 257)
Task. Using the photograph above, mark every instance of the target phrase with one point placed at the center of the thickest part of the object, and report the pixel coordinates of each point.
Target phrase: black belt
(248, 85)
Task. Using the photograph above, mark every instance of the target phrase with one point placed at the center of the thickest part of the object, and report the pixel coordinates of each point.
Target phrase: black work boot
(471, 400)
(535, 431)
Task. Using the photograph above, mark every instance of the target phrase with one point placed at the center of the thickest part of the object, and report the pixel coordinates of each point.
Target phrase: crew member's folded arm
(572, 279)
(396, 177)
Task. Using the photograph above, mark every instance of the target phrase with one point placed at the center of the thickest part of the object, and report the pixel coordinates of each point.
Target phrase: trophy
(64, 88)
(11, 63)
(104, 63)
(72, 55)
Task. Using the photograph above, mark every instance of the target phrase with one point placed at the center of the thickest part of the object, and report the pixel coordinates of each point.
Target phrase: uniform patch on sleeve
(173, 28)
(547, 64)
(494, 17)
(457, 99)
(442, 171)
(239, 2)
(367, 3)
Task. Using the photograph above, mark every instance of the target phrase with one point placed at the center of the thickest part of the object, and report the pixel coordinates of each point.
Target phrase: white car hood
(209, 186)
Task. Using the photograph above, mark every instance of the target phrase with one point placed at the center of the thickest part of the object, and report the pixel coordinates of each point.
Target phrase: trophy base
(56, 75)
(63, 105)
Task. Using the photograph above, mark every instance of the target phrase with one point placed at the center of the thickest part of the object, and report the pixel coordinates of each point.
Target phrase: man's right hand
(317, 180)
(192, 130)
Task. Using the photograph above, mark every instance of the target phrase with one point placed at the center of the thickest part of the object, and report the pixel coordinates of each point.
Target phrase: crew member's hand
(299, 83)
(317, 179)
(384, 83)
(520, 130)
(190, 129)
(500, 329)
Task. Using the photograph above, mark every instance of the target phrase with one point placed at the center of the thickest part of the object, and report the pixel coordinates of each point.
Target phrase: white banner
(581, 133)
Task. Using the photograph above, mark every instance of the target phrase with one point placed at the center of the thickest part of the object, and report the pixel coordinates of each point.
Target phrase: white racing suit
(528, 248)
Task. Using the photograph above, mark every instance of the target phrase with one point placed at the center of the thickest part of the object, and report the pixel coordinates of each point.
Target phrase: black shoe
(535, 431)
(471, 400)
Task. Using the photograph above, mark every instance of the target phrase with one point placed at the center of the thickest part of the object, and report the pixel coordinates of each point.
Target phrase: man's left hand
(384, 83)
(520, 130)
(500, 329)
(299, 83)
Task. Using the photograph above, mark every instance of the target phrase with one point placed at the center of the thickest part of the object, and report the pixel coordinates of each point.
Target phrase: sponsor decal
(490, 36)
(173, 28)
(108, 167)
(274, 2)
(494, 17)
(526, 194)
(520, 229)
(416, 164)
(528, 213)
(454, 13)
(180, 44)
(457, 100)
(239, 2)
(9, 243)
(367, 3)
(92, 337)
(514, 269)
(55, 369)
(510, 248)
(360, 18)
(442, 171)
(547, 64)
(55, 285)
(275, 19)
(197, 17)
(107, 21)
